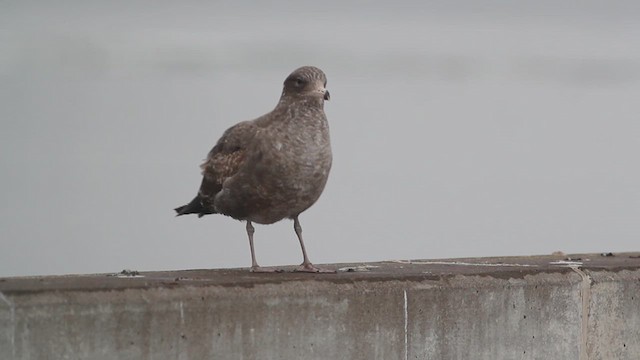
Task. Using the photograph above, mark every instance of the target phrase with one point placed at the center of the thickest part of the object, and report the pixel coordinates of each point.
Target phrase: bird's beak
(326, 94)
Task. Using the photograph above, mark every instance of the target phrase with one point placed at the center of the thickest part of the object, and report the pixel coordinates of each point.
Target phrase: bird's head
(306, 83)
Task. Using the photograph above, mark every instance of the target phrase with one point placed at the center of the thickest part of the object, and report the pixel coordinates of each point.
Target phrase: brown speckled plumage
(272, 167)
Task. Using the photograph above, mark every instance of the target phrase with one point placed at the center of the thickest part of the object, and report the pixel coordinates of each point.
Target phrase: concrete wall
(497, 308)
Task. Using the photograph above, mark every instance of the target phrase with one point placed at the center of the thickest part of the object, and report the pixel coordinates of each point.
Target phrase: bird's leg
(254, 264)
(306, 265)
(250, 231)
(298, 230)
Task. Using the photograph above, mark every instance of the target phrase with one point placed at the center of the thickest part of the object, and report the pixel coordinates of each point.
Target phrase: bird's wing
(226, 158)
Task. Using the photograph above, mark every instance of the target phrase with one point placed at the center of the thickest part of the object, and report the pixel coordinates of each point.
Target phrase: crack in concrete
(585, 294)
(181, 313)
(406, 326)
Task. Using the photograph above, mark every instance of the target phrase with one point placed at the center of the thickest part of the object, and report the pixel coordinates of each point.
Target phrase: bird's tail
(194, 207)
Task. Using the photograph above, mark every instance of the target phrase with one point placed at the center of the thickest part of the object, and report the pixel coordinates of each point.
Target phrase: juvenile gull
(272, 167)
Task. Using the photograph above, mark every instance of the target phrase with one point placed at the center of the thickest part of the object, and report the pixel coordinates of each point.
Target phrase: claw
(310, 268)
(259, 269)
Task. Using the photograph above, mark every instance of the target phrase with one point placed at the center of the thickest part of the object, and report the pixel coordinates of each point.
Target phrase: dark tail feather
(194, 207)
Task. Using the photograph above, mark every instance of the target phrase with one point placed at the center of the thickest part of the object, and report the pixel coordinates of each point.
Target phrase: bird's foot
(310, 268)
(260, 269)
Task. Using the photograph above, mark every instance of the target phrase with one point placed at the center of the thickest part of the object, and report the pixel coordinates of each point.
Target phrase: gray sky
(459, 129)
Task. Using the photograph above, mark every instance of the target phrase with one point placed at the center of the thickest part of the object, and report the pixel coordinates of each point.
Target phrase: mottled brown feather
(224, 160)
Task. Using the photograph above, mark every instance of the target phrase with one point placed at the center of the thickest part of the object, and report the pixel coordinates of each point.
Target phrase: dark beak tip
(327, 96)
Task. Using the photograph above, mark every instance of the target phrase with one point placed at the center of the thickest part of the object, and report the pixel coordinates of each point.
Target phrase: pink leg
(254, 264)
(306, 265)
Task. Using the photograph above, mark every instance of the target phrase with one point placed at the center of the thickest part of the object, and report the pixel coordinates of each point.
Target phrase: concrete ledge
(546, 307)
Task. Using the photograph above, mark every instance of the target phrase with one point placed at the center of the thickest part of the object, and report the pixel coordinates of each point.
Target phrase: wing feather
(225, 159)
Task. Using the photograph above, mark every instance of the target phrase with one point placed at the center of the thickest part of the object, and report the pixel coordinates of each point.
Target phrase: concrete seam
(12, 314)
(181, 313)
(585, 294)
(406, 326)
(181, 352)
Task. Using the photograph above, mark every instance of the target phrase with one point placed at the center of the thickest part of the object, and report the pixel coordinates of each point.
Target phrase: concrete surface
(544, 307)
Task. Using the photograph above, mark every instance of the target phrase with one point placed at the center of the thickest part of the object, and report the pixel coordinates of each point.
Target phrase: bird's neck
(287, 101)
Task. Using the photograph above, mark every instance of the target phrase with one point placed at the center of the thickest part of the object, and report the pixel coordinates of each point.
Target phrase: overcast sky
(459, 129)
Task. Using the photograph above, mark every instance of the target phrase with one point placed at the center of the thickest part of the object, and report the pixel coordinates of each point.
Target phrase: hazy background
(459, 128)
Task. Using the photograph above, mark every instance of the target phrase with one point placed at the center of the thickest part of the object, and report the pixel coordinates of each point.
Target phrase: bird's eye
(299, 81)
